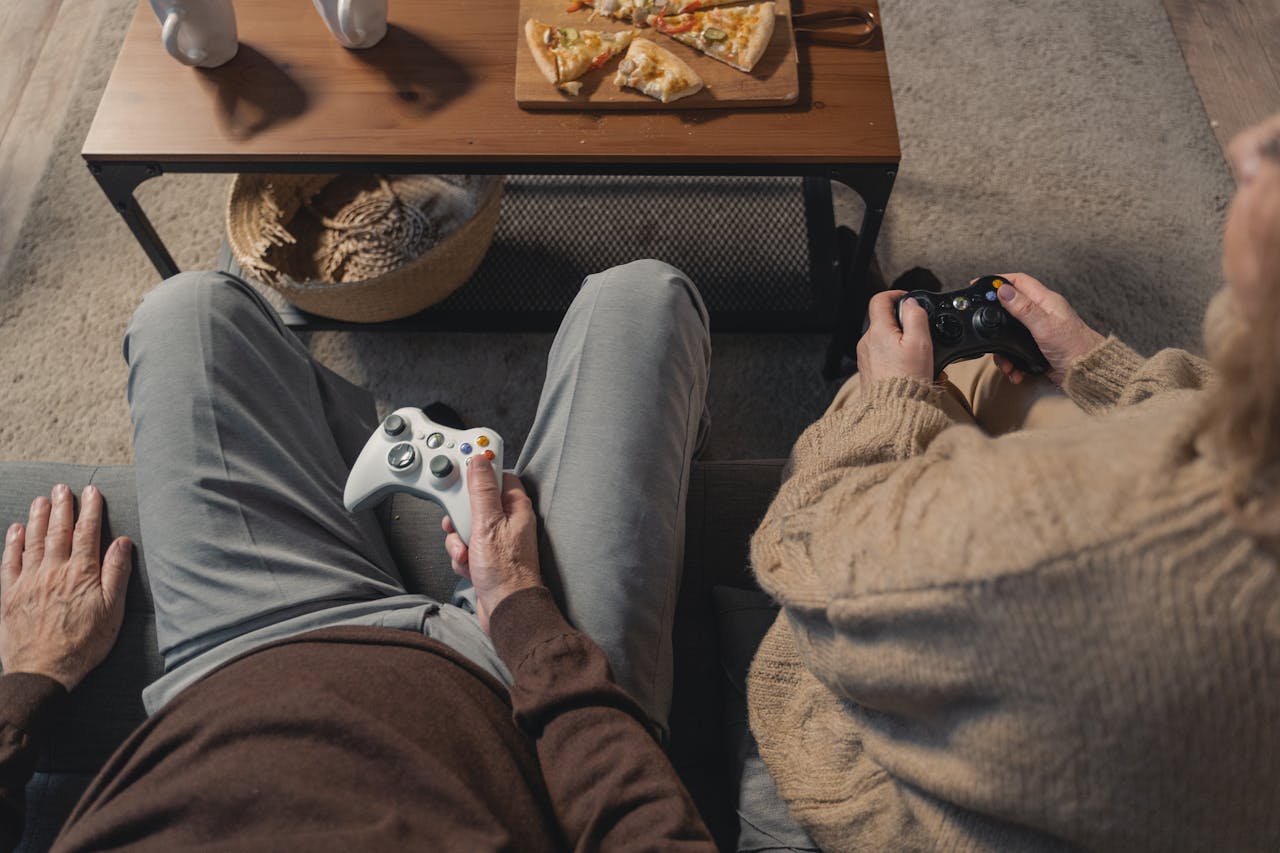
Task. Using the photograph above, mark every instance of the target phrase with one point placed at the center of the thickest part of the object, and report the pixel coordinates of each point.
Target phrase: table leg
(855, 252)
(118, 181)
(824, 261)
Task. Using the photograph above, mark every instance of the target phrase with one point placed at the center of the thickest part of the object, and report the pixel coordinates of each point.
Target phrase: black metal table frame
(840, 295)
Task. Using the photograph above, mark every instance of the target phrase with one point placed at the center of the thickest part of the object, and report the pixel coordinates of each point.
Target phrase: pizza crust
(657, 72)
(535, 34)
(760, 38)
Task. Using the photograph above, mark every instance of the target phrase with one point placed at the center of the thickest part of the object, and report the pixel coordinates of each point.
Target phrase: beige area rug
(1073, 147)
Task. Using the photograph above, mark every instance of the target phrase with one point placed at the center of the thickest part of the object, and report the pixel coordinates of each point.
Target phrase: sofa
(720, 617)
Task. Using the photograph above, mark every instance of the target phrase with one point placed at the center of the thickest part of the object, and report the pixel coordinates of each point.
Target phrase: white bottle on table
(198, 32)
(354, 23)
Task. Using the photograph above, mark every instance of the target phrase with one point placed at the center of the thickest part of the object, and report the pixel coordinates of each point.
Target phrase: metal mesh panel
(742, 240)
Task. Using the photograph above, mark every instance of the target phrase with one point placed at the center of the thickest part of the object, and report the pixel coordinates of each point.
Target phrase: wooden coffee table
(437, 96)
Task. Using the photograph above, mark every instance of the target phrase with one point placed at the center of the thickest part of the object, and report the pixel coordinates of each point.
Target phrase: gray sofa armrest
(107, 706)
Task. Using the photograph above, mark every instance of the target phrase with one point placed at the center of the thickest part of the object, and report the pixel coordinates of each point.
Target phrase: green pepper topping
(714, 34)
(569, 34)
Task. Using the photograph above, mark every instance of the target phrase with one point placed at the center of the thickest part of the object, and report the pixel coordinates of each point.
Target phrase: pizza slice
(737, 35)
(643, 13)
(563, 54)
(657, 72)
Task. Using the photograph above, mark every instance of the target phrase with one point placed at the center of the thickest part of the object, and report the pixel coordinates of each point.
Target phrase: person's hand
(60, 610)
(887, 349)
(1247, 148)
(1059, 332)
(1251, 235)
(502, 557)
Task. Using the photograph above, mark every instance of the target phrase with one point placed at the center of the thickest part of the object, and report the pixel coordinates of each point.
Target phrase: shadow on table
(421, 75)
(254, 93)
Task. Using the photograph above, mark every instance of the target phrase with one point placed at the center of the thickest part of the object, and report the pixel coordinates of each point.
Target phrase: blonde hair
(1244, 418)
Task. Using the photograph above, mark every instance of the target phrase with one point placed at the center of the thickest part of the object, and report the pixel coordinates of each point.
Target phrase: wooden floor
(40, 42)
(1232, 48)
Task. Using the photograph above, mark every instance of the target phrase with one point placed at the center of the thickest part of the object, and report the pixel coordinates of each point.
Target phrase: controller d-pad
(948, 328)
(402, 457)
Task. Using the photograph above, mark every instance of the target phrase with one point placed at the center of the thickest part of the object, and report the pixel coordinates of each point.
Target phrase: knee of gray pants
(650, 287)
(189, 294)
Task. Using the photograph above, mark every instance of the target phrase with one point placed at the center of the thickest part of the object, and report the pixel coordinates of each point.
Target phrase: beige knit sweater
(1051, 639)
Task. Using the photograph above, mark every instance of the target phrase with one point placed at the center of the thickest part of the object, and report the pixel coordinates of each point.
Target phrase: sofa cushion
(743, 616)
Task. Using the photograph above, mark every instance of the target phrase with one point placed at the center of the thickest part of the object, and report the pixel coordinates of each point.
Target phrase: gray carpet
(1070, 146)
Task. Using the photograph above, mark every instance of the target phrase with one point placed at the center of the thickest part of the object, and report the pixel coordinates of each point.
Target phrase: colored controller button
(483, 441)
(960, 303)
(441, 467)
(488, 454)
(435, 440)
(991, 296)
(402, 456)
(465, 448)
(997, 283)
(394, 425)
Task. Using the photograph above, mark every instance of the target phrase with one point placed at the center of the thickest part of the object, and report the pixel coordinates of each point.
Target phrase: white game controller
(411, 453)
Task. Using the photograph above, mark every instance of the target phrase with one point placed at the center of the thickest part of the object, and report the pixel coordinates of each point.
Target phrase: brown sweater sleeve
(26, 702)
(610, 784)
(1111, 374)
(893, 419)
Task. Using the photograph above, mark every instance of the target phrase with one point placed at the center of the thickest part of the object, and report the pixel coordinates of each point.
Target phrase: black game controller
(971, 322)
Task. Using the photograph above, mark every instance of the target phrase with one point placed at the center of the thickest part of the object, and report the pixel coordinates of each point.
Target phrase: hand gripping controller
(410, 453)
(972, 322)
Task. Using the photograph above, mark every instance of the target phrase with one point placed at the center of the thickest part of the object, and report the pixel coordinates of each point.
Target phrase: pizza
(736, 35)
(657, 72)
(643, 13)
(563, 54)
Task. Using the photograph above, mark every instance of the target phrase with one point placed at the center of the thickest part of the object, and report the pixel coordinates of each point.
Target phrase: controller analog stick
(949, 328)
(394, 425)
(988, 320)
(441, 467)
(402, 457)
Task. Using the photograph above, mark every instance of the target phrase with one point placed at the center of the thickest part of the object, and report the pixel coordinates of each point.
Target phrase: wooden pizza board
(773, 82)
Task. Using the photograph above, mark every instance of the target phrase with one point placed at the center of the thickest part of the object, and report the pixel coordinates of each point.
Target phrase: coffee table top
(439, 89)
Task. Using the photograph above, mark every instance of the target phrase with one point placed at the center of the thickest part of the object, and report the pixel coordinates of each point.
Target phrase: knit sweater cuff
(523, 621)
(27, 703)
(893, 418)
(1096, 379)
(556, 669)
(27, 700)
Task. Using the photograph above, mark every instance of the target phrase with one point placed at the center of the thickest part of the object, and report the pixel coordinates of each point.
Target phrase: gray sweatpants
(243, 444)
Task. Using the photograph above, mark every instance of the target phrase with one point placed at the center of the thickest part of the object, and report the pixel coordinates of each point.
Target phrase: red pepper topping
(600, 60)
(662, 26)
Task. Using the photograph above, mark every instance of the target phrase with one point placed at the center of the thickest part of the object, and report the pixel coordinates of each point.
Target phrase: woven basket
(275, 225)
